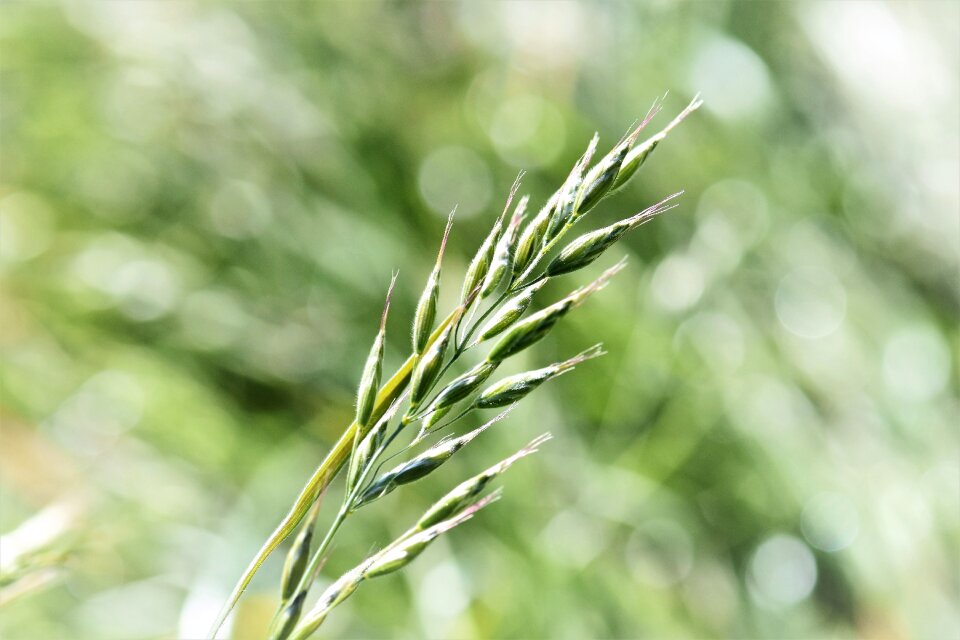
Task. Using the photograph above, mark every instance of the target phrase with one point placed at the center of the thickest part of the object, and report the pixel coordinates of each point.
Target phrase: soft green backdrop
(201, 205)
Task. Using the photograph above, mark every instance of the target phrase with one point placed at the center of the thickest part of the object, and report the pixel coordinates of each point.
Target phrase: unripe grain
(427, 306)
(511, 389)
(372, 370)
(511, 311)
(503, 254)
(588, 247)
(461, 496)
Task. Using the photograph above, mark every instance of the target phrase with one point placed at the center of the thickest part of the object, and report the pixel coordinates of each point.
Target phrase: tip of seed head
(588, 154)
(532, 447)
(588, 354)
(446, 234)
(446, 230)
(520, 210)
(468, 300)
(392, 409)
(513, 192)
(534, 444)
(386, 304)
(695, 104)
(655, 108)
(655, 209)
(468, 513)
(467, 437)
(581, 294)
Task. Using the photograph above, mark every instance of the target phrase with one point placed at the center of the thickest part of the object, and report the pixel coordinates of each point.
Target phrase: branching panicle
(499, 287)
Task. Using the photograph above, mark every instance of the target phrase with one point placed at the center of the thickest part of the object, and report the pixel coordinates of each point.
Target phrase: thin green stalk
(313, 568)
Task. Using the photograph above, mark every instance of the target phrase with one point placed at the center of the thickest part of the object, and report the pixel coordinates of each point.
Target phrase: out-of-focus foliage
(201, 207)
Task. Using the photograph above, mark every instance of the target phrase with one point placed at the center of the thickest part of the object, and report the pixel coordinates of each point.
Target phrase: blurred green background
(201, 207)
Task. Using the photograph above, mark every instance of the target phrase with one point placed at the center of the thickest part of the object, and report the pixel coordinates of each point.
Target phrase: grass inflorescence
(498, 290)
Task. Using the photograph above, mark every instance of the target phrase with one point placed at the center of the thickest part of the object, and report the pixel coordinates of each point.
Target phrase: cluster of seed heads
(498, 290)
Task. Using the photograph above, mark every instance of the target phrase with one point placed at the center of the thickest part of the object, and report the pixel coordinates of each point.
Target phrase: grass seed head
(299, 554)
(340, 590)
(431, 420)
(365, 451)
(530, 331)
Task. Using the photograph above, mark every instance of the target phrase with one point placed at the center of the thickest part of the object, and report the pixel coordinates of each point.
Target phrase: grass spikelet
(426, 312)
(502, 261)
(461, 496)
(480, 264)
(299, 554)
(421, 465)
(429, 364)
(530, 331)
(462, 386)
(590, 246)
(395, 556)
(532, 237)
(511, 311)
(567, 200)
(373, 369)
(512, 389)
(639, 154)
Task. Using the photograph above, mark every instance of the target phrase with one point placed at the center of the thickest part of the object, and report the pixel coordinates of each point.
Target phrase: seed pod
(480, 264)
(461, 496)
(370, 380)
(533, 329)
(419, 466)
(590, 246)
(532, 237)
(639, 154)
(428, 366)
(503, 254)
(427, 307)
(462, 386)
(567, 200)
(511, 311)
(511, 389)
(287, 619)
